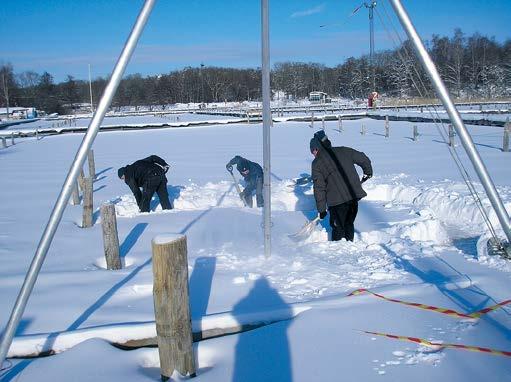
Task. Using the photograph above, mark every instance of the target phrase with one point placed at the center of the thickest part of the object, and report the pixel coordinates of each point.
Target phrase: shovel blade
(305, 231)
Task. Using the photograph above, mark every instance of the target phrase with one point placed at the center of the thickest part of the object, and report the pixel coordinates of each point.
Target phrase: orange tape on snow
(438, 345)
(449, 312)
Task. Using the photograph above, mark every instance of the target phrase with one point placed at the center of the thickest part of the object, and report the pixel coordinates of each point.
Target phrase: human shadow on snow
(263, 355)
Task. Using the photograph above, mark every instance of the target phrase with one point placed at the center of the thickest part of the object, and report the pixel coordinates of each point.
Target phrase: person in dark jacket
(253, 175)
(147, 174)
(337, 184)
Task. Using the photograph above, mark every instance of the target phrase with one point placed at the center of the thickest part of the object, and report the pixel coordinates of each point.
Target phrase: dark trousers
(154, 184)
(342, 219)
(259, 193)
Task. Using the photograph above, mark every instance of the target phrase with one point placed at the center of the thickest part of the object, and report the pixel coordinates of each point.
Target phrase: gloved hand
(322, 215)
(228, 167)
(365, 177)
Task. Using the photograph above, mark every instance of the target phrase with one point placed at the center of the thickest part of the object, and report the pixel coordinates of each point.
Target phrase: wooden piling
(87, 203)
(387, 127)
(507, 132)
(363, 129)
(81, 177)
(415, 133)
(171, 305)
(312, 120)
(323, 122)
(4, 143)
(110, 237)
(75, 196)
(12, 138)
(92, 165)
(339, 123)
(451, 135)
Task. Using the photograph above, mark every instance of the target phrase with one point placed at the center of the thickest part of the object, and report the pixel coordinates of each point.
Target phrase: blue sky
(63, 37)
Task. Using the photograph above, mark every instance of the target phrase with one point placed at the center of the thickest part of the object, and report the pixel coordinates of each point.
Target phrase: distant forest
(472, 67)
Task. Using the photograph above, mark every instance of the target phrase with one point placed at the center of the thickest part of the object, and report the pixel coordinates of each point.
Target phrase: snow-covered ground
(416, 241)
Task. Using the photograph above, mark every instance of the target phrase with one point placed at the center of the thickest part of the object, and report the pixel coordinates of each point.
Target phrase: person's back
(341, 184)
(148, 174)
(337, 185)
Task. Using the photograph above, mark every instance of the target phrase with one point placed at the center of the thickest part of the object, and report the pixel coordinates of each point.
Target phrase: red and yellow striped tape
(438, 345)
(449, 312)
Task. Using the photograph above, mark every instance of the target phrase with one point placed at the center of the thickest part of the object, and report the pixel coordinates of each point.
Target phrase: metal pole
(6, 95)
(265, 43)
(371, 42)
(90, 91)
(70, 181)
(455, 117)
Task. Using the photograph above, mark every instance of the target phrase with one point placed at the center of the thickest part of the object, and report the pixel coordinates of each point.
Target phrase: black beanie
(121, 171)
(314, 144)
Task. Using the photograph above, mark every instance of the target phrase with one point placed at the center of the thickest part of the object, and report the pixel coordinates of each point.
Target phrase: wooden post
(110, 237)
(312, 120)
(12, 138)
(171, 305)
(87, 203)
(323, 122)
(363, 129)
(4, 143)
(415, 133)
(75, 197)
(36, 134)
(451, 135)
(339, 122)
(507, 131)
(92, 165)
(387, 127)
(81, 177)
(248, 117)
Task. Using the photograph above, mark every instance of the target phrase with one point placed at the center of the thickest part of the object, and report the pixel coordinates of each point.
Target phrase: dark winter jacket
(333, 186)
(254, 171)
(141, 171)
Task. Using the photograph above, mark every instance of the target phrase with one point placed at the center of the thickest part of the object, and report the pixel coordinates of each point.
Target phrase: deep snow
(416, 240)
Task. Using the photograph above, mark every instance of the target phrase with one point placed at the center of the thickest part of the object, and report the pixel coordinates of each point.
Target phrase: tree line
(472, 67)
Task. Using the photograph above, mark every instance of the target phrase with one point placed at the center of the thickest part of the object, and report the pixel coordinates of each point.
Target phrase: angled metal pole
(67, 188)
(265, 44)
(455, 117)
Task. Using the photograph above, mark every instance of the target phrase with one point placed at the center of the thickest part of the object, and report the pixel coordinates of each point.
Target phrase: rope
(407, 62)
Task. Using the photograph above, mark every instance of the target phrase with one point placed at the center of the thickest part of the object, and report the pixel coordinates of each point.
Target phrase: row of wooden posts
(4, 141)
(415, 131)
(170, 270)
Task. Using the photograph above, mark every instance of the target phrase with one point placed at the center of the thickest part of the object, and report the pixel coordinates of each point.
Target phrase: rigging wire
(408, 61)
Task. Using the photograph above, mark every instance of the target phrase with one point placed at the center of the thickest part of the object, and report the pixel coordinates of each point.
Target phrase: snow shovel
(238, 188)
(305, 231)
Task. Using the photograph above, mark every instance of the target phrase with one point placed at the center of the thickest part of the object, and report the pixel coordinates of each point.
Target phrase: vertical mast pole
(265, 44)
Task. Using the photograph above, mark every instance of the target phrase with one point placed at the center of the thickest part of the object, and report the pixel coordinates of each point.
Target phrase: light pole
(6, 95)
(90, 91)
(201, 83)
(371, 5)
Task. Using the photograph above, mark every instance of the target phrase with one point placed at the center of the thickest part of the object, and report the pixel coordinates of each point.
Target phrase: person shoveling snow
(337, 184)
(253, 175)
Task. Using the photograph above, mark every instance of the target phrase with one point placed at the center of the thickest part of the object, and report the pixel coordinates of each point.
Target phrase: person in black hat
(147, 174)
(253, 175)
(337, 184)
